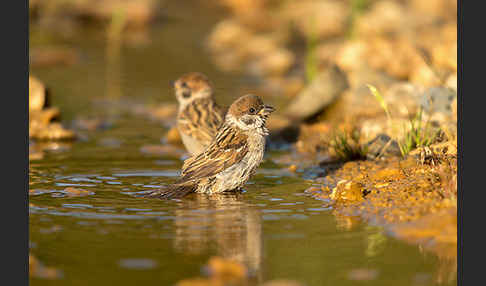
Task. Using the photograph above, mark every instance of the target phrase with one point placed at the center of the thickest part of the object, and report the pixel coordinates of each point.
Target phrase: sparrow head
(191, 86)
(250, 113)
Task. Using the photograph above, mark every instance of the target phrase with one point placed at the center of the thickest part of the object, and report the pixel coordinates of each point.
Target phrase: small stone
(438, 99)
(322, 91)
(362, 274)
(347, 191)
(74, 192)
(173, 136)
(382, 145)
(228, 269)
(37, 94)
(292, 168)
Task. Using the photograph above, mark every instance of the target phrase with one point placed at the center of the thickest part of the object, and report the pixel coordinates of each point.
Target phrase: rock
(382, 145)
(403, 99)
(347, 191)
(39, 270)
(322, 91)
(226, 35)
(352, 55)
(438, 99)
(41, 117)
(74, 192)
(275, 63)
(52, 131)
(319, 19)
(226, 269)
(173, 136)
(384, 16)
(37, 94)
(451, 81)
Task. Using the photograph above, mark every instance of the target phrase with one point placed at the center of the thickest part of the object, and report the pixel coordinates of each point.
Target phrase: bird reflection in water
(223, 225)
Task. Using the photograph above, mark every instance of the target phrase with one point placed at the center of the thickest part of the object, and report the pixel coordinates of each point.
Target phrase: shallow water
(107, 235)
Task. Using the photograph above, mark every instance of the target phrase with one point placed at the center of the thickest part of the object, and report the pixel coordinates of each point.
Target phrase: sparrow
(232, 156)
(198, 116)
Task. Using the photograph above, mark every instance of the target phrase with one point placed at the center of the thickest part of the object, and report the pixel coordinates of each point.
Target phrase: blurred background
(346, 76)
(312, 58)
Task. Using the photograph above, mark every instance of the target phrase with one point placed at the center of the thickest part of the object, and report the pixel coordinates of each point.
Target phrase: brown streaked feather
(227, 149)
(201, 120)
(171, 192)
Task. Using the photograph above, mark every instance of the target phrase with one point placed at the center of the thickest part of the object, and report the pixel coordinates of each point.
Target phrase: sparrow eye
(184, 84)
(252, 110)
(186, 94)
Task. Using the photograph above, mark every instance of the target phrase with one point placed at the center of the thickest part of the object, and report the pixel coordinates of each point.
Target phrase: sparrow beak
(267, 109)
(172, 83)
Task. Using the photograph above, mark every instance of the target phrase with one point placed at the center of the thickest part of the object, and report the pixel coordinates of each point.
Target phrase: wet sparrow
(231, 158)
(199, 117)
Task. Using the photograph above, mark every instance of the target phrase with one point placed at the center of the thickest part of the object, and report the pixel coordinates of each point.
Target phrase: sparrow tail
(171, 192)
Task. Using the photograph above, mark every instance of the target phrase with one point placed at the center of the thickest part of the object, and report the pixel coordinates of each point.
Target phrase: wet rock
(38, 270)
(38, 97)
(52, 131)
(382, 146)
(226, 269)
(41, 117)
(322, 91)
(75, 192)
(347, 191)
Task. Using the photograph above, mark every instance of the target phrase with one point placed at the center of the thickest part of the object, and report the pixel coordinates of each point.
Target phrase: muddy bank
(414, 201)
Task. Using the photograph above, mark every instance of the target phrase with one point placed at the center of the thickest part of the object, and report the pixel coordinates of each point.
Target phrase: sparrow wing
(228, 148)
(201, 120)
